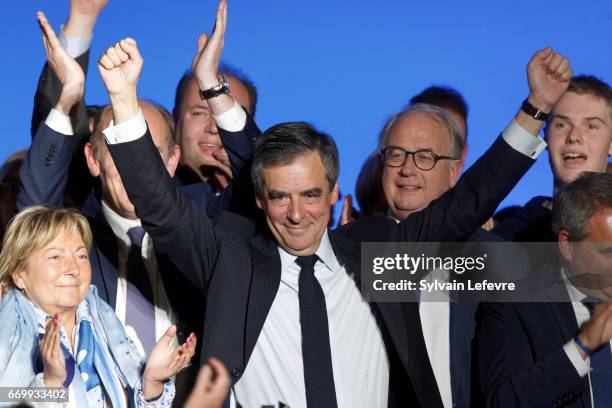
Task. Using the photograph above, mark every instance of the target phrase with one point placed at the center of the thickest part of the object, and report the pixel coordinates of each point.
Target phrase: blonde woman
(56, 332)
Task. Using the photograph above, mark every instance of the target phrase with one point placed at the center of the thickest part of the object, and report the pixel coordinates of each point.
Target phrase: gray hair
(577, 202)
(455, 140)
(283, 143)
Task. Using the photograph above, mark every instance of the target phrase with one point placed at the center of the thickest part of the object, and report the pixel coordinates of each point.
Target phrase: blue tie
(140, 309)
(316, 352)
(601, 374)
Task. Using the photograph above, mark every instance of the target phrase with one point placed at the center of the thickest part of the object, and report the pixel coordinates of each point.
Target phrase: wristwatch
(533, 111)
(221, 88)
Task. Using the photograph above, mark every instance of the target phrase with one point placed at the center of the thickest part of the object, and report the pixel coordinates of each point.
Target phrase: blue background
(344, 66)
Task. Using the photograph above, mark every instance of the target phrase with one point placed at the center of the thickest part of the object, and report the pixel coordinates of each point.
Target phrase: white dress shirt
(275, 371)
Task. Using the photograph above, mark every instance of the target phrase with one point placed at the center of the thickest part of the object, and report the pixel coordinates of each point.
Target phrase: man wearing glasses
(421, 150)
(421, 156)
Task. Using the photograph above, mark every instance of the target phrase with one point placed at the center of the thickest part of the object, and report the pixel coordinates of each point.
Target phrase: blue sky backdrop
(344, 66)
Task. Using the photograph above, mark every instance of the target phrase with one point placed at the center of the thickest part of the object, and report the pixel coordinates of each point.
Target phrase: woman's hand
(166, 361)
(54, 373)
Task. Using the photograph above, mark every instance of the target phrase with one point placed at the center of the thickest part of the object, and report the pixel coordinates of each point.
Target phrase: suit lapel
(263, 288)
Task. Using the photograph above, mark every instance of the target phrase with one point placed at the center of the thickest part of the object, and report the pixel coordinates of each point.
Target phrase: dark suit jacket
(506, 262)
(236, 262)
(520, 353)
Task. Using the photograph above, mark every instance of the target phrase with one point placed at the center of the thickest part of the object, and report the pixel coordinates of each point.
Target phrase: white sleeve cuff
(582, 366)
(74, 46)
(59, 122)
(232, 120)
(128, 131)
(523, 141)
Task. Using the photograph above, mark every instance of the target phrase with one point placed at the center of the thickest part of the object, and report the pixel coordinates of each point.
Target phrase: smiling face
(196, 129)
(407, 188)
(579, 137)
(297, 202)
(56, 277)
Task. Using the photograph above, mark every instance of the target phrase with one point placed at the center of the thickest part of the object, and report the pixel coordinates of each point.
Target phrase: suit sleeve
(464, 208)
(44, 172)
(177, 226)
(509, 375)
(239, 196)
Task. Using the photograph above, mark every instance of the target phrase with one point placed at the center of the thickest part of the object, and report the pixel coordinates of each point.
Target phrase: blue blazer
(521, 358)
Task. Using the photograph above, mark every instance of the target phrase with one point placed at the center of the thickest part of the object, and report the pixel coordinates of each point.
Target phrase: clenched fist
(120, 67)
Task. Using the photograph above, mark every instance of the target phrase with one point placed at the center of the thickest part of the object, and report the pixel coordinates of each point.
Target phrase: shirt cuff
(128, 131)
(162, 401)
(582, 366)
(59, 122)
(232, 120)
(523, 141)
(74, 46)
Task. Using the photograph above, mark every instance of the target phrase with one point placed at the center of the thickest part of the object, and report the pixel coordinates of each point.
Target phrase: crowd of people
(157, 259)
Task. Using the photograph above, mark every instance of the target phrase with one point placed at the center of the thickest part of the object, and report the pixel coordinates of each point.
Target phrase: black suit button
(235, 372)
(52, 148)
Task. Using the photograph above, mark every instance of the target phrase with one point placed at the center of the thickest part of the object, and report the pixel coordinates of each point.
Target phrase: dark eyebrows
(316, 191)
(276, 194)
(567, 118)
(311, 192)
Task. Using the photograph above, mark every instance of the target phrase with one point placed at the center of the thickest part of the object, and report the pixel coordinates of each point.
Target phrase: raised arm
(76, 35)
(461, 210)
(177, 227)
(44, 173)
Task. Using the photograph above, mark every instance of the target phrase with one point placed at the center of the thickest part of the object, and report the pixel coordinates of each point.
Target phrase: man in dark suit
(448, 328)
(559, 354)
(121, 247)
(284, 312)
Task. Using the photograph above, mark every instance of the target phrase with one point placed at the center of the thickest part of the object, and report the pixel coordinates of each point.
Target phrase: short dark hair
(368, 188)
(227, 69)
(283, 143)
(444, 97)
(577, 202)
(591, 85)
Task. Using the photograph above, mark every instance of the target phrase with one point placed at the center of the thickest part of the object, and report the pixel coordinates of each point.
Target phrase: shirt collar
(325, 252)
(574, 293)
(118, 224)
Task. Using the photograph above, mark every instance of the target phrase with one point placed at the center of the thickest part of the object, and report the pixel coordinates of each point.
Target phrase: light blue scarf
(20, 358)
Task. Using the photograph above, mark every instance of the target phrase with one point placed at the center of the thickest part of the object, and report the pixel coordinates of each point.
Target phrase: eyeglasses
(423, 159)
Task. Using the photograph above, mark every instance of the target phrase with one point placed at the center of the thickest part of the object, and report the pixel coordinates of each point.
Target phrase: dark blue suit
(521, 358)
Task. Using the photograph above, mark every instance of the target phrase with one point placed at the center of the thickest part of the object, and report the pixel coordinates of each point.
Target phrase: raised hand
(598, 330)
(205, 63)
(165, 361)
(83, 16)
(120, 67)
(54, 373)
(68, 71)
(548, 75)
(211, 387)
